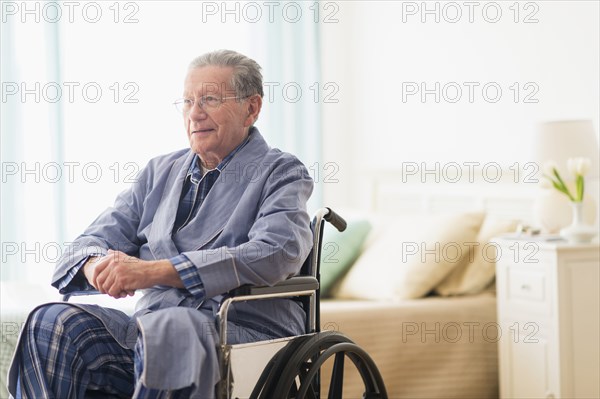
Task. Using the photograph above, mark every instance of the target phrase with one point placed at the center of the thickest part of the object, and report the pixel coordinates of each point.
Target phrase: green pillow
(339, 251)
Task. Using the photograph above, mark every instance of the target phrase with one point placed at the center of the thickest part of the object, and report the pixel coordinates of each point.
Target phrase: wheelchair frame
(290, 367)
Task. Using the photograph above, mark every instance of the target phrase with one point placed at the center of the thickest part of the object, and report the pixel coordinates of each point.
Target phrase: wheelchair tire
(295, 371)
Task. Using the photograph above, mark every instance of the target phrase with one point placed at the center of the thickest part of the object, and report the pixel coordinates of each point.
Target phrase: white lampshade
(558, 141)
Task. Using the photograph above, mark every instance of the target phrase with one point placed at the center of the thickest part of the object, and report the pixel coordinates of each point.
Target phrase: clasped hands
(119, 275)
(116, 274)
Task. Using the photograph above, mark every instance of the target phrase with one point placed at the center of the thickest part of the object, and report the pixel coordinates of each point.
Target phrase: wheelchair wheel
(295, 371)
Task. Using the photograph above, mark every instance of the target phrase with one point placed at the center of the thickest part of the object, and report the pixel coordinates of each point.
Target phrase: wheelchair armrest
(293, 284)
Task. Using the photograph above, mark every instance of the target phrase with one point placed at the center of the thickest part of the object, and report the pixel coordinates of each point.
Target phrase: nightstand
(548, 298)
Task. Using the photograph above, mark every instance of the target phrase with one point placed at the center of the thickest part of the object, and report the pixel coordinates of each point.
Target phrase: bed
(424, 348)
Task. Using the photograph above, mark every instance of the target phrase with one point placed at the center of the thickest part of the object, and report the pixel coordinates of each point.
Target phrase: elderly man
(197, 223)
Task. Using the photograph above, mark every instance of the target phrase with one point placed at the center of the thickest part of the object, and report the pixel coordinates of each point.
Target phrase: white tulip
(578, 166)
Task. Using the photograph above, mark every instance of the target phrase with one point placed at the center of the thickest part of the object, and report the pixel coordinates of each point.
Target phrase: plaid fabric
(189, 275)
(66, 351)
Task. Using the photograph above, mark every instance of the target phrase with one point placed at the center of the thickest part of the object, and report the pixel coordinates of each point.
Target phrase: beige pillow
(472, 277)
(411, 257)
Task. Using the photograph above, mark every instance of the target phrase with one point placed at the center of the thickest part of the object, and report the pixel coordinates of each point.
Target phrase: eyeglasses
(207, 103)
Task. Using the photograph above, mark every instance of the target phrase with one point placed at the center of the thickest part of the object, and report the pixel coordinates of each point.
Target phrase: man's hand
(119, 275)
(116, 274)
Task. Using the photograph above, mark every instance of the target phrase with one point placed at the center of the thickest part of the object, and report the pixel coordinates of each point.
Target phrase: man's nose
(197, 112)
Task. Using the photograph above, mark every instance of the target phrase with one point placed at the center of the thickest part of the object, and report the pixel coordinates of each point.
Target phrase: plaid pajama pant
(65, 351)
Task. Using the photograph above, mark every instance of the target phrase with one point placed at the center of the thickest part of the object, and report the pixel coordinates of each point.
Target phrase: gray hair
(246, 79)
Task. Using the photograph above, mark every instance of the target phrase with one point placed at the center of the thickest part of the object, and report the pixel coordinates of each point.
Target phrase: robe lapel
(159, 238)
(223, 198)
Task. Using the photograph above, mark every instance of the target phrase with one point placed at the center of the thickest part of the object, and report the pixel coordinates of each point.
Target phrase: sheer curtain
(87, 95)
(32, 135)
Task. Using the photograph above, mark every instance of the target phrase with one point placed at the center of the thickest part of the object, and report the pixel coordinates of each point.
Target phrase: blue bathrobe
(252, 228)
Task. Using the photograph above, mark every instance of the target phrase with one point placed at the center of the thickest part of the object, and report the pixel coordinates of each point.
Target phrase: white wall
(378, 50)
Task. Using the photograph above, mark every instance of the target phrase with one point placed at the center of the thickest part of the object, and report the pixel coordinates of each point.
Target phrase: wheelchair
(290, 367)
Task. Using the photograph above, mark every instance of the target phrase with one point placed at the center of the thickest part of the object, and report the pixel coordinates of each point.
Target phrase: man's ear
(254, 107)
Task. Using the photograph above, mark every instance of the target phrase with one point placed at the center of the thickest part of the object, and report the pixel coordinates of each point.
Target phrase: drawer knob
(526, 287)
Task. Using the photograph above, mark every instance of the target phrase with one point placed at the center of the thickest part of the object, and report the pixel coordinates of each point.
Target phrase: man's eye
(211, 100)
(187, 102)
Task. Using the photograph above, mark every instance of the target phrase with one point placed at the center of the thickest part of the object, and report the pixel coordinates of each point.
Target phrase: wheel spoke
(337, 377)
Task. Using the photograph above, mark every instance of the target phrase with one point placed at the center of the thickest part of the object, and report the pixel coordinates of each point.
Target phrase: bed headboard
(502, 193)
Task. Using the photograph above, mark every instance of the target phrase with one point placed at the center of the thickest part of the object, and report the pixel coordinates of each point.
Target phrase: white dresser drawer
(527, 291)
(526, 285)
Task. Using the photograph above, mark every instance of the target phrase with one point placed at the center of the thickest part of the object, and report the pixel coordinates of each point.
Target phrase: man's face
(215, 132)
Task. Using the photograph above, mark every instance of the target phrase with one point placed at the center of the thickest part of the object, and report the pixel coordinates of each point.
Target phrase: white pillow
(411, 257)
(472, 277)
